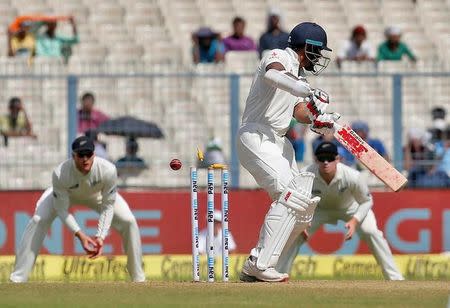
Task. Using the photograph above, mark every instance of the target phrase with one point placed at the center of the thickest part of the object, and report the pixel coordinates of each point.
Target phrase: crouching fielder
(276, 95)
(90, 181)
(344, 196)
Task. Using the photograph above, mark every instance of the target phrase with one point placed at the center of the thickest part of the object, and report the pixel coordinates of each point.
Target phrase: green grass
(293, 294)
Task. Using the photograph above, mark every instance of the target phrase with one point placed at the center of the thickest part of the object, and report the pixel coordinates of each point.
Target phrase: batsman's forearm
(301, 113)
(285, 81)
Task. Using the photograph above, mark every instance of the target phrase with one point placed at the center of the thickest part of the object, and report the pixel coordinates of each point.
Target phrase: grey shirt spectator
(274, 37)
(357, 48)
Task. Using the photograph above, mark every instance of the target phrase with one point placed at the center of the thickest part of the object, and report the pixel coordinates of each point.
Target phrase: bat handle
(337, 126)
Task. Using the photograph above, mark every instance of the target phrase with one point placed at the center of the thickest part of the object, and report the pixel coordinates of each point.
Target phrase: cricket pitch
(318, 293)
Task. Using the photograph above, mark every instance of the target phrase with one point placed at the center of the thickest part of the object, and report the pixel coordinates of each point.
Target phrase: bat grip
(337, 126)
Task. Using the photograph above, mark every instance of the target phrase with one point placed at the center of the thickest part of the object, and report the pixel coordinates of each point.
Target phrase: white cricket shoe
(14, 279)
(251, 273)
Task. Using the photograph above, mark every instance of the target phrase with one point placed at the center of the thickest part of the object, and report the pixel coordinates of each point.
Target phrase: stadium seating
(154, 36)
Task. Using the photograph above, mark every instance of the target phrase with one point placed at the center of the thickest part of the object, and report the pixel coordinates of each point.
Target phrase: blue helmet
(313, 38)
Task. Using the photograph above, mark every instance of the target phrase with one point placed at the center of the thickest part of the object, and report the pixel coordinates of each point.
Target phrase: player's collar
(339, 173)
(293, 54)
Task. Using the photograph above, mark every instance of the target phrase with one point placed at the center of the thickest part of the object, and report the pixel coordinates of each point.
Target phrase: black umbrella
(130, 127)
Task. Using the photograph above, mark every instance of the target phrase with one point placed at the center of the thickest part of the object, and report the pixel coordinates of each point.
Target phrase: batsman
(88, 180)
(278, 92)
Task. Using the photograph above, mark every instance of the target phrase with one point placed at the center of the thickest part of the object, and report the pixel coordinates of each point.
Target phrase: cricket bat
(369, 157)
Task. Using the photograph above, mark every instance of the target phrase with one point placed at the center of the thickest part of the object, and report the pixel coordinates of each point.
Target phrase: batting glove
(324, 123)
(317, 103)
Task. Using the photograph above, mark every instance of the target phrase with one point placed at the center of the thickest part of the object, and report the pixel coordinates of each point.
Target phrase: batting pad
(293, 208)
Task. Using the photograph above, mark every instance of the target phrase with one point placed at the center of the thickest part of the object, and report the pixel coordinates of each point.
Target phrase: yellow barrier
(178, 267)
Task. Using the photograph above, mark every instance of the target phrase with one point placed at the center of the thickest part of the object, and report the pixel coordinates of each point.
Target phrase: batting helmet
(313, 38)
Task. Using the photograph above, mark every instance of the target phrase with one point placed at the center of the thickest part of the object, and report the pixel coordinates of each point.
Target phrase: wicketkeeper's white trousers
(367, 231)
(38, 226)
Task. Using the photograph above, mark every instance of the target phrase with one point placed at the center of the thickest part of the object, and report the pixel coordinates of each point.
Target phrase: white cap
(440, 124)
(419, 134)
(274, 11)
(393, 30)
(415, 133)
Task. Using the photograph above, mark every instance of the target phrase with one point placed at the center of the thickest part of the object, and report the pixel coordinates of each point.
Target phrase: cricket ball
(175, 164)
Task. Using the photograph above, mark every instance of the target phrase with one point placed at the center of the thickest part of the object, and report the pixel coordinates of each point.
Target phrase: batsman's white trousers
(270, 159)
(38, 226)
(367, 231)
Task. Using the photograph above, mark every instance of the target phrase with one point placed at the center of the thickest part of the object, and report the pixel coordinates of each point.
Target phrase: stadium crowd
(426, 153)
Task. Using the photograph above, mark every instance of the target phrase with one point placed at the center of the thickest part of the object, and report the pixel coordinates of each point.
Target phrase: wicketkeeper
(90, 181)
(344, 195)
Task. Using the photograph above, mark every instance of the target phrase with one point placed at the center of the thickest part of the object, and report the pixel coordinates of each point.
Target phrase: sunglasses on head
(328, 158)
(87, 154)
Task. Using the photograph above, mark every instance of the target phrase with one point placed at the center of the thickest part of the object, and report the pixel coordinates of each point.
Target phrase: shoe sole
(247, 278)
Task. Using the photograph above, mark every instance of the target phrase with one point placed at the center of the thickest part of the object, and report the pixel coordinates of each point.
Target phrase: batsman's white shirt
(262, 148)
(95, 189)
(267, 105)
(347, 192)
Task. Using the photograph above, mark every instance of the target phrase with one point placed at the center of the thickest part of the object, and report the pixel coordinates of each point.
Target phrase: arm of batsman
(325, 123)
(317, 103)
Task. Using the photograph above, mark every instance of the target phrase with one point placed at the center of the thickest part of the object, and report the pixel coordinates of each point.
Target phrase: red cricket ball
(175, 164)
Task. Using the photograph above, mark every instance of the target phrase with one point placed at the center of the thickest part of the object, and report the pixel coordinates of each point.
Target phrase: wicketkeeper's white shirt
(348, 191)
(97, 188)
(266, 104)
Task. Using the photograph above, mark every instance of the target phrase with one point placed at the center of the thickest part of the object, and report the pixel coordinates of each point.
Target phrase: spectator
(213, 154)
(217, 236)
(88, 117)
(445, 161)
(362, 129)
(100, 147)
(440, 138)
(274, 37)
(296, 135)
(393, 49)
(49, 44)
(16, 123)
(357, 48)
(427, 174)
(438, 129)
(131, 164)
(21, 42)
(238, 41)
(417, 148)
(207, 46)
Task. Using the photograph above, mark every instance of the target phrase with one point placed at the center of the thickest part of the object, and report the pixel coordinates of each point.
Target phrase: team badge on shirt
(342, 189)
(94, 182)
(316, 192)
(274, 55)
